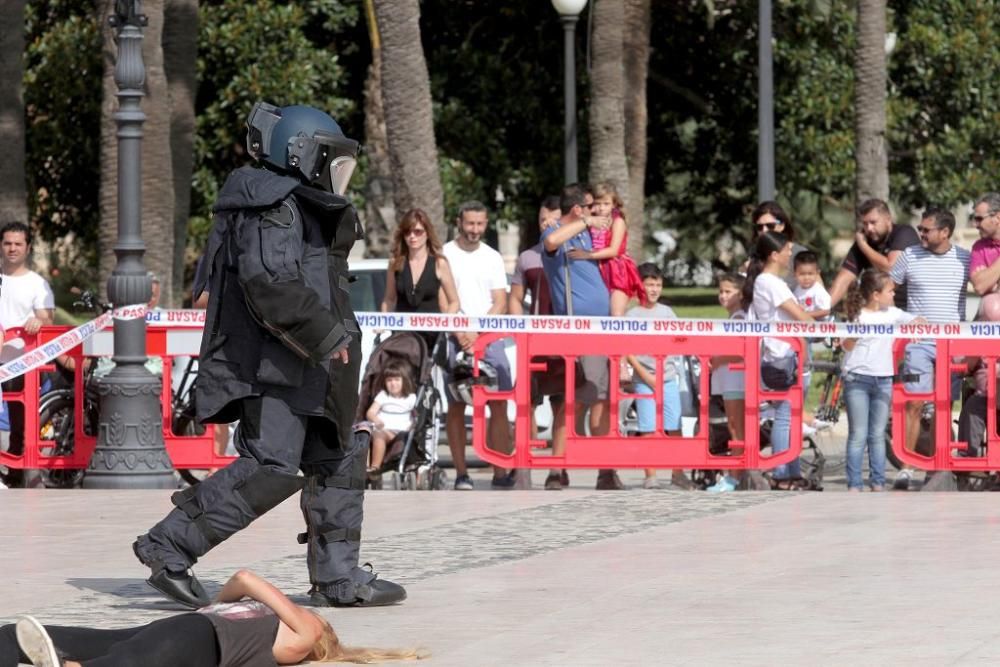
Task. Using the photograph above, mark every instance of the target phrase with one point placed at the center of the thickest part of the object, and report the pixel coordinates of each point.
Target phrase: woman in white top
(868, 370)
(766, 298)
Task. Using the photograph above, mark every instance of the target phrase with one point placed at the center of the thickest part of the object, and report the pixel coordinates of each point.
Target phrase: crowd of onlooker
(893, 273)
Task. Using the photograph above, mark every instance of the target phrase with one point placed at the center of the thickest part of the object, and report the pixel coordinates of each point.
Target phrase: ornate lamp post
(569, 12)
(130, 452)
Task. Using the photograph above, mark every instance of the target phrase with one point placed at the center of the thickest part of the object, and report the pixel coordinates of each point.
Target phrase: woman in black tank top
(419, 279)
(267, 629)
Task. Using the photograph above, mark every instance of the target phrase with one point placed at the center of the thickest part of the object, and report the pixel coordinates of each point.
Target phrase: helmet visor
(341, 170)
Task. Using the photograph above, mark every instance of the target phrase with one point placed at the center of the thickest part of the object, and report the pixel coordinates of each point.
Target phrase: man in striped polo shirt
(935, 273)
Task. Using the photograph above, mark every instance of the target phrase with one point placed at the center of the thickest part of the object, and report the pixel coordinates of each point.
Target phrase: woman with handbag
(766, 298)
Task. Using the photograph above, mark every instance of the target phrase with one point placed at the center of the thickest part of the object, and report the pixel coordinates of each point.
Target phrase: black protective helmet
(304, 142)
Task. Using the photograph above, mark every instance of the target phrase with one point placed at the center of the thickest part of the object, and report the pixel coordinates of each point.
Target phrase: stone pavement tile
(614, 578)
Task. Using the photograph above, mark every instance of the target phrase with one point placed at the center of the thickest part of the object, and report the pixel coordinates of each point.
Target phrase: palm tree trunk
(157, 181)
(872, 160)
(380, 217)
(607, 97)
(180, 56)
(13, 188)
(636, 57)
(409, 119)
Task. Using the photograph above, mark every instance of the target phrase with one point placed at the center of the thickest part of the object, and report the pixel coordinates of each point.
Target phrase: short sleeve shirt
(530, 274)
(477, 274)
(769, 292)
(672, 363)
(814, 298)
(984, 253)
(936, 282)
(21, 296)
(589, 294)
(900, 238)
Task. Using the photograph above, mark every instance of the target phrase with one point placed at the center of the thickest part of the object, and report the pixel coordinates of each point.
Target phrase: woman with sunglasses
(419, 278)
(770, 217)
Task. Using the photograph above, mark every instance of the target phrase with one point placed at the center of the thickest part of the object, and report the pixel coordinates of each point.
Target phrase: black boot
(376, 593)
(181, 587)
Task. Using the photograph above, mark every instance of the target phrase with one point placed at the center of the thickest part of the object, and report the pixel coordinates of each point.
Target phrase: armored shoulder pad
(282, 215)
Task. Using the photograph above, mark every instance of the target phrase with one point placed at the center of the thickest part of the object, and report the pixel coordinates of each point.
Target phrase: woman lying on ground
(252, 624)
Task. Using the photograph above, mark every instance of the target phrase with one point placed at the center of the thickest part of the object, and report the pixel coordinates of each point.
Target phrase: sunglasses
(769, 226)
(415, 231)
(924, 231)
(979, 218)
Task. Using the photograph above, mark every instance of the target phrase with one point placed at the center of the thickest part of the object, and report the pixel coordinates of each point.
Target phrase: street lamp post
(569, 12)
(765, 105)
(130, 452)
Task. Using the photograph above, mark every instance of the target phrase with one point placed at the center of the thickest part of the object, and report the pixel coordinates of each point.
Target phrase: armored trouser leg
(333, 507)
(269, 440)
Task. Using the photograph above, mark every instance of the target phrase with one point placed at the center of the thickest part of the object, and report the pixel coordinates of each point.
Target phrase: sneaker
(463, 483)
(724, 484)
(503, 483)
(35, 642)
(821, 425)
(877, 488)
(651, 483)
(553, 483)
(564, 478)
(807, 430)
(903, 478)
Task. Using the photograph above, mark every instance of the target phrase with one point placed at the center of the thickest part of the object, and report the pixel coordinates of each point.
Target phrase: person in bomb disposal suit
(281, 353)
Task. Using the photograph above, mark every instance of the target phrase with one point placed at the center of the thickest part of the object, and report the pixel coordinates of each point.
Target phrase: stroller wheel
(439, 479)
(410, 481)
(397, 482)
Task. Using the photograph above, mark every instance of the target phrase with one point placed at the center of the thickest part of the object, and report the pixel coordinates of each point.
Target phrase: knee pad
(259, 488)
(265, 489)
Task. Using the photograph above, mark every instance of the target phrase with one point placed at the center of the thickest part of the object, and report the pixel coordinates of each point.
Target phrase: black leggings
(188, 639)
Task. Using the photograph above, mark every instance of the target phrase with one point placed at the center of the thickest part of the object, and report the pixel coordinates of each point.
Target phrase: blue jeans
(645, 409)
(868, 399)
(782, 374)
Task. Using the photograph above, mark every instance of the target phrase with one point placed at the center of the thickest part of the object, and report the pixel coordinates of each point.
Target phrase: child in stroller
(407, 448)
(391, 412)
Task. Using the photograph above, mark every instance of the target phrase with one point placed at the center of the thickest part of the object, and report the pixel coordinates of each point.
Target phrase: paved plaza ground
(576, 577)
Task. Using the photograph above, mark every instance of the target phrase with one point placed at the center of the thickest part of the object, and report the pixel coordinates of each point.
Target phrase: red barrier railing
(185, 451)
(948, 453)
(615, 449)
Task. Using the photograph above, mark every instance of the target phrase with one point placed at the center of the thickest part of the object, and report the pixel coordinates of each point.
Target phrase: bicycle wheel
(57, 423)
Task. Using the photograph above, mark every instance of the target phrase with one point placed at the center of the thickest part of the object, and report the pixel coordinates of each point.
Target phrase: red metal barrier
(185, 451)
(617, 450)
(948, 454)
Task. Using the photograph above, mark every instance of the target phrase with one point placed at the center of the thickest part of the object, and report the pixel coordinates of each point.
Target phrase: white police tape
(676, 327)
(63, 343)
(195, 319)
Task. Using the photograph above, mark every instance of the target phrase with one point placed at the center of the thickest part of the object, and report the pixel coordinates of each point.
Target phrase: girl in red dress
(610, 250)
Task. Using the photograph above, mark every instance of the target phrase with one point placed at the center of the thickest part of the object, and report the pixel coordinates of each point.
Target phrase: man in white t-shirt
(26, 302)
(481, 282)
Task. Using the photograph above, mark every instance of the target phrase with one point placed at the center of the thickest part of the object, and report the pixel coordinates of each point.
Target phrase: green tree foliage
(945, 116)
(62, 95)
(284, 53)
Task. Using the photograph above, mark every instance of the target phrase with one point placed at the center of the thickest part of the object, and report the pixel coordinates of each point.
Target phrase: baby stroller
(412, 457)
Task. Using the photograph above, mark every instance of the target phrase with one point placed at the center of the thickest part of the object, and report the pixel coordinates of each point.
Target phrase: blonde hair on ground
(329, 649)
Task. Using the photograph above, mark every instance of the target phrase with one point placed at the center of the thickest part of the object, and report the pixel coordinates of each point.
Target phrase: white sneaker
(725, 484)
(807, 430)
(903, 478)
(821, 425)
(651, 483)
(36, 643)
